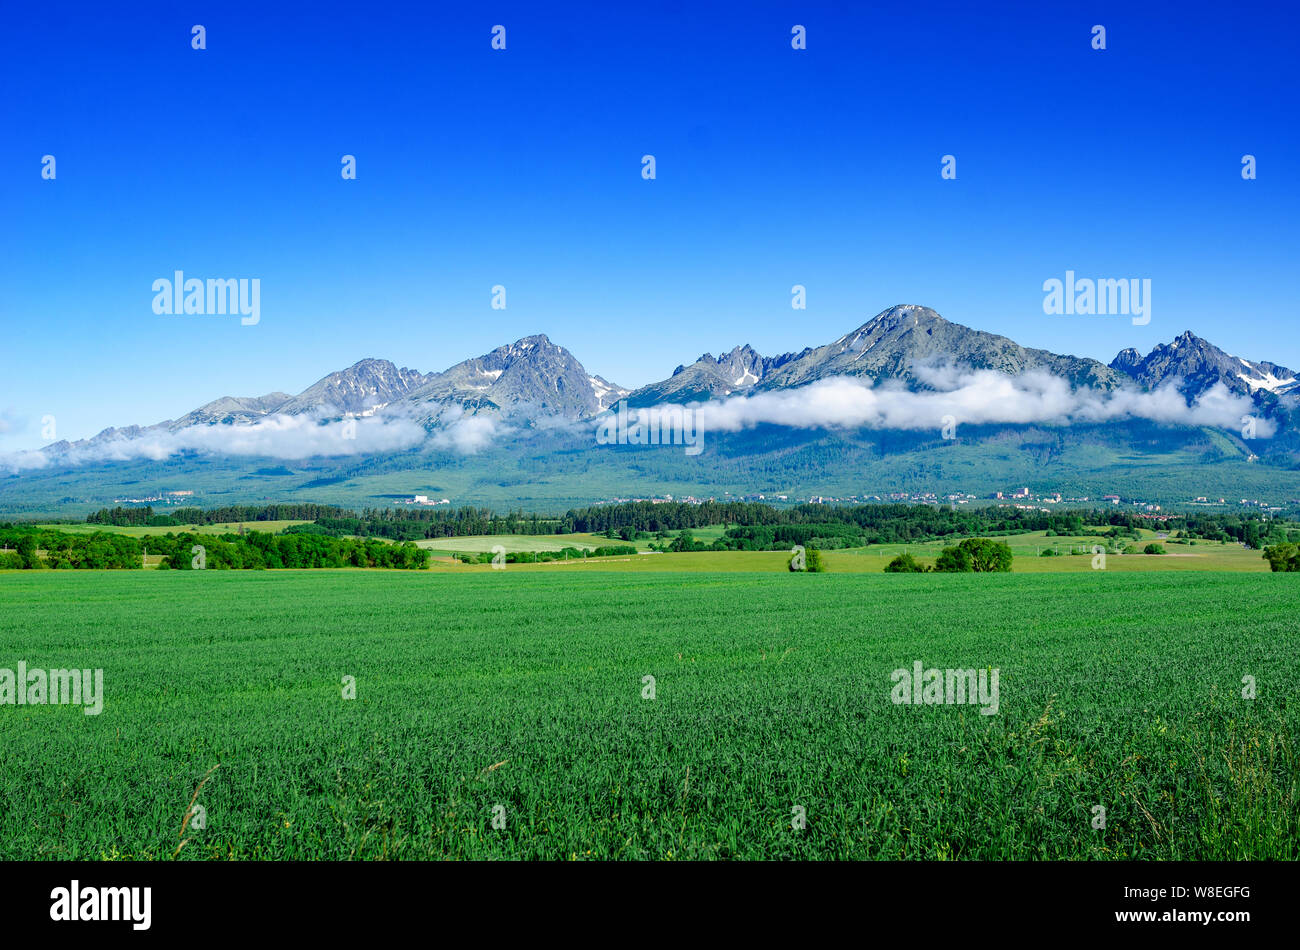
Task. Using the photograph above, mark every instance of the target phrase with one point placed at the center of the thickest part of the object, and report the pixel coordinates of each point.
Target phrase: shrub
(975, 554)
(1282, 557)
(812, 562)
(685, 541)
(904, 564)
(1154, 549)
(953, 561)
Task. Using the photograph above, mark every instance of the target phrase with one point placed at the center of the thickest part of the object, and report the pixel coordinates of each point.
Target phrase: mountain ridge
(1199, 364)
(534, 377)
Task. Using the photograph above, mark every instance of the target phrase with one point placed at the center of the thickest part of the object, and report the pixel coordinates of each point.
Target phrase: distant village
(161, 498)
(1021, 498)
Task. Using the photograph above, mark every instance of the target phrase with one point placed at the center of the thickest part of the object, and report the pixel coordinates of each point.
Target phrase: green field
(475, 544)
(516, 689)
(1202, 556)
(1027, 548)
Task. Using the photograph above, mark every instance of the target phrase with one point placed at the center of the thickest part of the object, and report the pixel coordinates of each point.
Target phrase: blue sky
(522, 168)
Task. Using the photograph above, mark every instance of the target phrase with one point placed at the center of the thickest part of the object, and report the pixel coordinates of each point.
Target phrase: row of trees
(871, 523)
(540, 557)
(24, 548)
(259, 550)
(777, 537)
(979, 555)
(179, 517)
(21, 547)
(900, 523)
(414, 525)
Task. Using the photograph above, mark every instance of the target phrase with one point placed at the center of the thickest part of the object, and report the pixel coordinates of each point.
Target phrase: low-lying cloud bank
(287, 437)
(956, 397)
(466, 434)
(969, 397)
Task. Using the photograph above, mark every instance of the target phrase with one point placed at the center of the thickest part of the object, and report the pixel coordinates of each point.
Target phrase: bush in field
(953, 561)
(27, 552)
(1283, 557)
(904, 564)
(974, 554)
(1154, 549)
(812, 562)
(686, 542)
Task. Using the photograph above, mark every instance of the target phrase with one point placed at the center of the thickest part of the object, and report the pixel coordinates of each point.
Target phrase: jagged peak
(905, 311)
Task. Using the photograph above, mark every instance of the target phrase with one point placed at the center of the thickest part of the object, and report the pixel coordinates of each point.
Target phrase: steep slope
(1198, 364)
(532, 376)
(231, 410)
(360, 389)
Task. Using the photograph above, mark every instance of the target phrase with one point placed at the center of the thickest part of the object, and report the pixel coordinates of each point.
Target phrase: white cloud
(971, 397)
(467, 434)
(287, 437)
(22, 461)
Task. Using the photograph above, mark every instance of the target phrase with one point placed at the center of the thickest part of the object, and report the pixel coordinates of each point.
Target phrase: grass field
(1026, 548)
(1203, 556)
(772, 692)
(474, 544)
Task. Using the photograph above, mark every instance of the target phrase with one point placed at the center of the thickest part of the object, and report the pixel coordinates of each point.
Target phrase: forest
(30, 548)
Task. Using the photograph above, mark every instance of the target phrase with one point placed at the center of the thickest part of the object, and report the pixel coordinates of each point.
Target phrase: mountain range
(534, 378)
(533, 408)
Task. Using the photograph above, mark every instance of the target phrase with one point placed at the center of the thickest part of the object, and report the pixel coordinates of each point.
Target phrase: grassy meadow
(522, 697)
(476, 544)
(1026, 548)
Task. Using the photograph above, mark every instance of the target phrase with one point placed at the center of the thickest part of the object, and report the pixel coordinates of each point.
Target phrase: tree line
(394, 523)
(974, 555)
(860, 524)
(28, 548)
(123, 517)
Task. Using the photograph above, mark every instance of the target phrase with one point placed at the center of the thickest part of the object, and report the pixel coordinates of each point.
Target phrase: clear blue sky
(522, 168)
